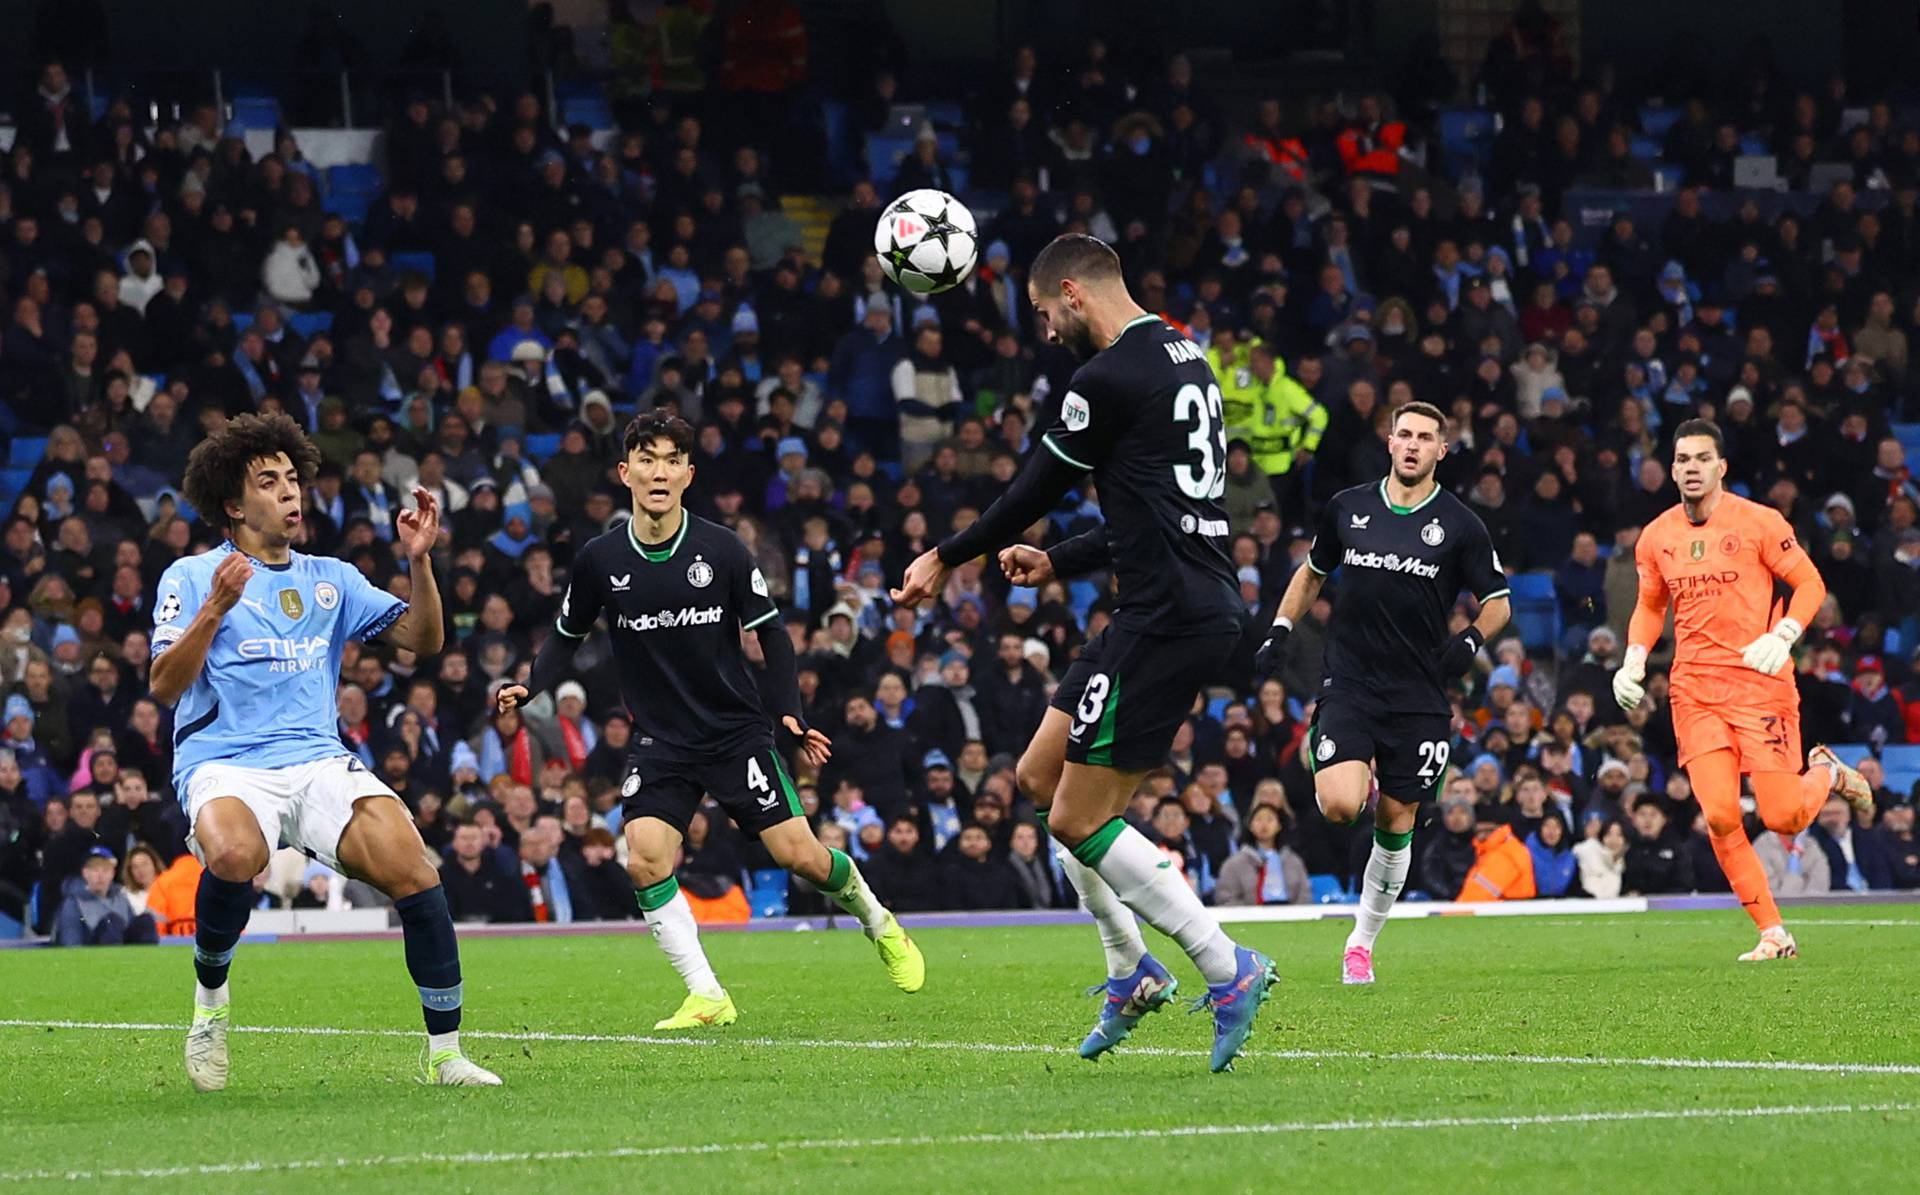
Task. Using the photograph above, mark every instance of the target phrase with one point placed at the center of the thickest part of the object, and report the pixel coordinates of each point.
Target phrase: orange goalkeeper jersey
(1723, 579)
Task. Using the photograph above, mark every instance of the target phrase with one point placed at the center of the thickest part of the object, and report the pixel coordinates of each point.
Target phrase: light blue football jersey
(265, 698)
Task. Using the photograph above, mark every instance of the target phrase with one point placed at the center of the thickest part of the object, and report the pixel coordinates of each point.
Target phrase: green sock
(847, 888)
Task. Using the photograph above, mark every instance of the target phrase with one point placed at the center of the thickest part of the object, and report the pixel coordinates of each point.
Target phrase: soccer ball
(926, 241)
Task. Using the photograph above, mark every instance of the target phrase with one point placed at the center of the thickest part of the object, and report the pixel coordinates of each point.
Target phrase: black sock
(220, 911)
(433, 956)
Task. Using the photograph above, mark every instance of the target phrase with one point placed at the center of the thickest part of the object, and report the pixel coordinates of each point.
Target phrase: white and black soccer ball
(926, 241)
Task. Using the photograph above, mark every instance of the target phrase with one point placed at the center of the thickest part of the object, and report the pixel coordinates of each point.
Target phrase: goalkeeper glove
(1266, 661)
(1771, 651)
(1629, 682)
(1458, 654)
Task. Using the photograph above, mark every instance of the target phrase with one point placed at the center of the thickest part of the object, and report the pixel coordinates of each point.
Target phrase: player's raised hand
(925, 578)
(815, 748)
(510, 697)
(230, 579)
(420, 528)
(1026, 565)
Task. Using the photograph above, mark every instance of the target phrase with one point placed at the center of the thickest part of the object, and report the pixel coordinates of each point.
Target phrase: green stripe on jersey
(1056, 450)
(1100, 751)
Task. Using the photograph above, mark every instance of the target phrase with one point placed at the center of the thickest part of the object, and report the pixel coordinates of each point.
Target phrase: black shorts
(752, 785)
(1128, 693)
(1408, 751)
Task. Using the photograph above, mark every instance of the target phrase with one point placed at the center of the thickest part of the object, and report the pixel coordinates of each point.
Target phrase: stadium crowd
(158, 280)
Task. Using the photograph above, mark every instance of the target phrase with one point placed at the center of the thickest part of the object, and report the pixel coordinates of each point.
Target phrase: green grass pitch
(1539, 1055)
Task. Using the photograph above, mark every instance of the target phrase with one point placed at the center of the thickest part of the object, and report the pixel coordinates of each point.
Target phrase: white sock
(206, 997)
(1386, 874)
(1119, 930)
(858, 899)
(673, 927)
(1140, 876)
(437, 1042)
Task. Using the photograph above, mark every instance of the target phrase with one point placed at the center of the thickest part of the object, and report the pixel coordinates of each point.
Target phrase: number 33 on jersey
(1144, 416)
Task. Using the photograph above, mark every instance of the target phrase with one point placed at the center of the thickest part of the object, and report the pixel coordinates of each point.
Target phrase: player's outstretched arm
(178, 665)
(550, 663)
(1025, 502)
(422, 628)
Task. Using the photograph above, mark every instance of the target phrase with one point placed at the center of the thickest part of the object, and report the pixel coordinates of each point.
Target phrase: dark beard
(1078, 340)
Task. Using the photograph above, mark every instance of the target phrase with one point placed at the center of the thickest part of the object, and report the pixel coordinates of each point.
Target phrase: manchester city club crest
(699, 574)
(1432, 534)
(631, 786)
(1730, 545)
(290, 603)
(326, 595)
(1324, 751)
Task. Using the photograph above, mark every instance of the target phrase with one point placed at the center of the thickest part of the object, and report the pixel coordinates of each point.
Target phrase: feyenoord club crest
(631, 786)
(1432, 534)
(699, 574)
(1324, 751)
(1697, 549)
(290, 603)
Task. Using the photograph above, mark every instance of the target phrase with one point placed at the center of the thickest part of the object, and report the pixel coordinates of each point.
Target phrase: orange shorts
(1763, 735)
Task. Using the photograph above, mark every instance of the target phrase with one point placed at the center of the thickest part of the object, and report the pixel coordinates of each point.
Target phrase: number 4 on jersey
(1209, 479)
(757, 778)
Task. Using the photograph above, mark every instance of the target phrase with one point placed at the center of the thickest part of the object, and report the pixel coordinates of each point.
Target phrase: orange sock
(1789, 803)
(1716, 785)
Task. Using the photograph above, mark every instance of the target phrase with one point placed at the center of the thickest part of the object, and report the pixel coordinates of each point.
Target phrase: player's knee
(645, 872)
(1067, 829)
(1723, 823)
(1036, 780)
(237, 863)
(1339, 808)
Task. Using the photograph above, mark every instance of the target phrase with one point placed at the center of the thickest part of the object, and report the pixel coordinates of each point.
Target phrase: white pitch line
(1800, 925)
(1062, 1136)
(968, 1047)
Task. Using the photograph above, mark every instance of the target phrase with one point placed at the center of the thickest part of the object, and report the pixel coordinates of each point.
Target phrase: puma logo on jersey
(1360, 522)
(621, 583)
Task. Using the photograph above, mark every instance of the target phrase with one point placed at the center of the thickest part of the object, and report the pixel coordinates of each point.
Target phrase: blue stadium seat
(1851, 753)
(1909, 436)
(884, 152)
(255, 112)
(1753, 144)
(1902, 782)
(10, 929)
(353, 178)
(1327, 891)
(13, 482)
(541, 445)
(242, 320)
(1668, 178)
(577, 89)
(1466, 136)
(593, 111)
(25, 451)
(1217, 708)
(1657, 120)
(418, 263)
(309, 323)
(1081, 595)
(1532, 586)
(1647, 149)
(1538, 623)
(352, 207)
(1900, 757)
(768, 896)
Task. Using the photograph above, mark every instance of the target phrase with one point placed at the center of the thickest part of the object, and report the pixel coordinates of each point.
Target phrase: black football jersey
(675, 614)
(1401, 571)
(1144, 416)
